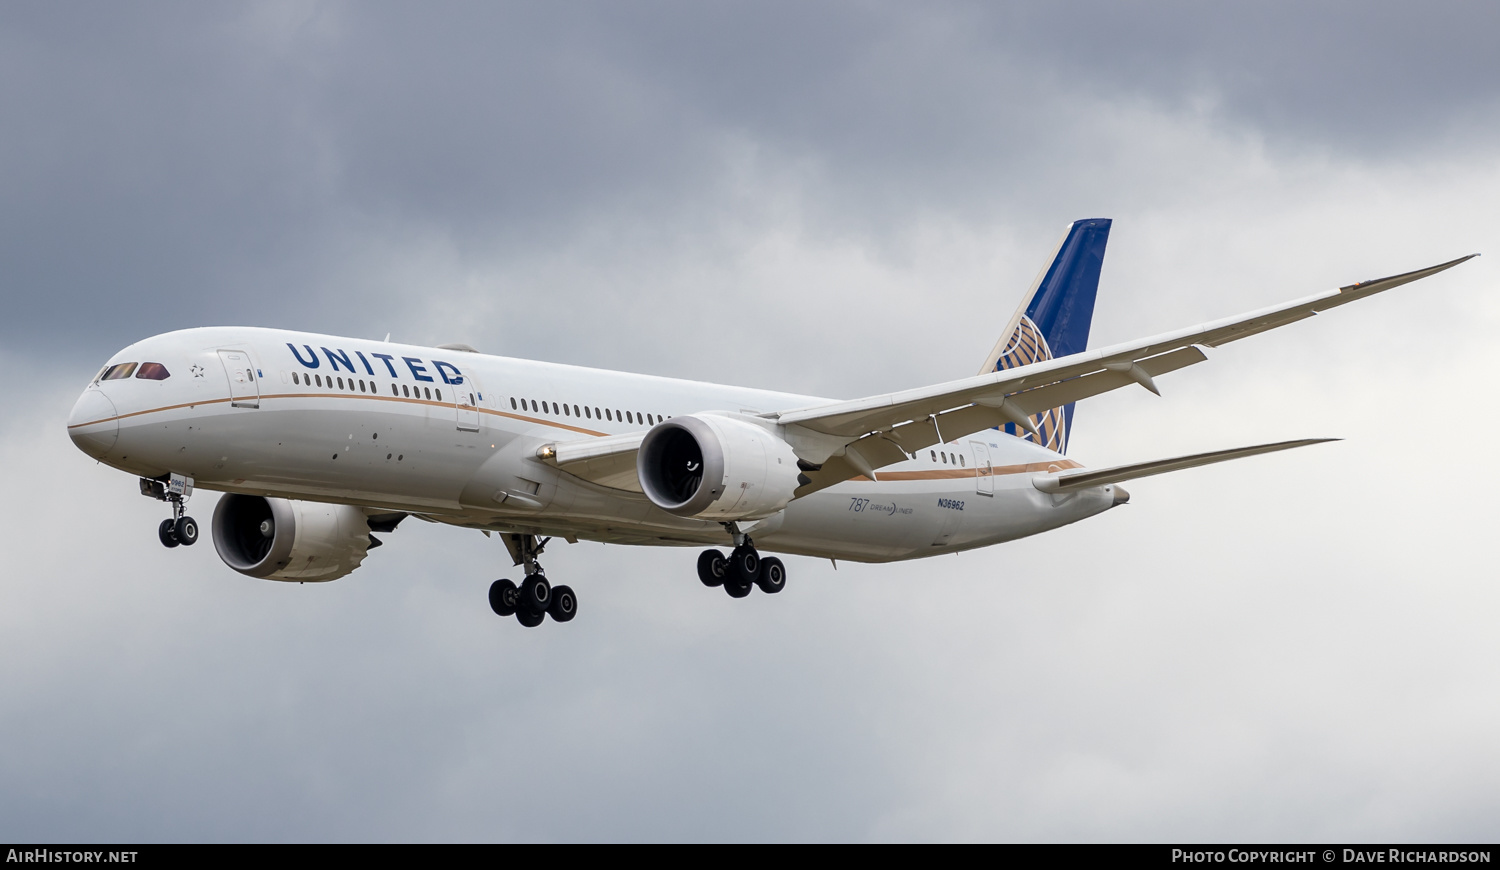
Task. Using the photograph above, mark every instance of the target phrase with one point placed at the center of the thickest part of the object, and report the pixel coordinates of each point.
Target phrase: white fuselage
(349, 429)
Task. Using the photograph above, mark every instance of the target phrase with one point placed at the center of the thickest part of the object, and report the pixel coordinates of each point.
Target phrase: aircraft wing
(1114, 367)
(858, 436)
(862, 435)
(608, 461)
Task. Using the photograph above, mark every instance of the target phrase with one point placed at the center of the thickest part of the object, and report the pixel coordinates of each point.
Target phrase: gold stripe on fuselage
(934, 474)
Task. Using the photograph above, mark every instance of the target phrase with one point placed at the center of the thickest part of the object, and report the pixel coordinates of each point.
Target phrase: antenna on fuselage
(387, 338)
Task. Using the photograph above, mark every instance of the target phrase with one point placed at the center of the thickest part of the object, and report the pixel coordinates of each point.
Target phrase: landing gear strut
(535, 598)
(742, 569)
(176, 488)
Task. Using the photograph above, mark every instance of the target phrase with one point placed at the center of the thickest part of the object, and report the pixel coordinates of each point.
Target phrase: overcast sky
(830, 198)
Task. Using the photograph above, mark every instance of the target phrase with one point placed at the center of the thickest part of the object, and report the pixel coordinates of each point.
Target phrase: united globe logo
(1027, 345)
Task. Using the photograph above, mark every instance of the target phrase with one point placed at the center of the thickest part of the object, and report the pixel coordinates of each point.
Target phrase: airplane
(319, 443)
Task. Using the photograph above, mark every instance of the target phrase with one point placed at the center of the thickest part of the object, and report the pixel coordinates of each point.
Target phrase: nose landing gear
(180, 529)
(535, 598)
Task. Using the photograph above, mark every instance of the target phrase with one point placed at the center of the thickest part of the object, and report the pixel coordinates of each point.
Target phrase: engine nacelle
(716, 468)
(278, 539)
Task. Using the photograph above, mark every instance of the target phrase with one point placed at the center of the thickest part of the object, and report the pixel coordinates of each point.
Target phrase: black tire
(564, 604)
(504, 597)
(772, 576)
(712, 566)
(167, 531)
(736, 589)
(529, 619)
(536, 594)
(187, 531)
(744, 563)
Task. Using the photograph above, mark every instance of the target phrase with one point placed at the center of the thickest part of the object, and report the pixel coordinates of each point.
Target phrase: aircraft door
(244, 386)
(466, 400)
(984, 480)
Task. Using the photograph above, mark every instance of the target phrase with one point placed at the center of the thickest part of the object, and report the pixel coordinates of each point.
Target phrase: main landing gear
(180, 529)
(743, 569)
(535, 599)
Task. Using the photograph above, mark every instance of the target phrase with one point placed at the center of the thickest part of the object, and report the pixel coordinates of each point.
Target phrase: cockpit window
(153, 372)
(117, 372)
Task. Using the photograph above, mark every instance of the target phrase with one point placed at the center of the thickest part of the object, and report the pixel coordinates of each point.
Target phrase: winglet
(1369, 288)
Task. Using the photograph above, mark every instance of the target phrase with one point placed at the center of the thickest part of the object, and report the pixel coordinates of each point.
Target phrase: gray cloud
(191, 164)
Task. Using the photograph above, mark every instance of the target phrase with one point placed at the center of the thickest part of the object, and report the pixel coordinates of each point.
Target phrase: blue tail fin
(1053, 321)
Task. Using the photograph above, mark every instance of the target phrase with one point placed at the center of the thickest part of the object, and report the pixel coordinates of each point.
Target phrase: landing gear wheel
(167, 531)
(536, 594)
(564, 604)
(736, 589)
(187, 531)
(504, 597)
(712, 567)
(529, 619)
(744, 563)
(772, 576)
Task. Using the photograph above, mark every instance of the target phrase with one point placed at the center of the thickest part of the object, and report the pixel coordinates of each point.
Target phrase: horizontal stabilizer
(1077, 480)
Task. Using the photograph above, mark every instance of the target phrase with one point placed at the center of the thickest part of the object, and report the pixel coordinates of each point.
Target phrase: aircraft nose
(92, 425)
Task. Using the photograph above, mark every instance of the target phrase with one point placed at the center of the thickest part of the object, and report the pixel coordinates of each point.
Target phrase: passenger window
(533, 406)
(961, 461)
(295, 377)
(428, 392)
(512, 403)
(117, 372)
(934, 455)
(608, 415)
(597, 415)
(440, 394)
(565, 411)
(405, 394)
(152, 372)
(395, 391)
(586, 414)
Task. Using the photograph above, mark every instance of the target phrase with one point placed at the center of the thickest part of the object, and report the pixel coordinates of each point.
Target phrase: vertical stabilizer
(1053, 321)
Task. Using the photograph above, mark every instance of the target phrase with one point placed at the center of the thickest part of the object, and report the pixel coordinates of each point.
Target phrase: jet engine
(716, 468)
(278, 539)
